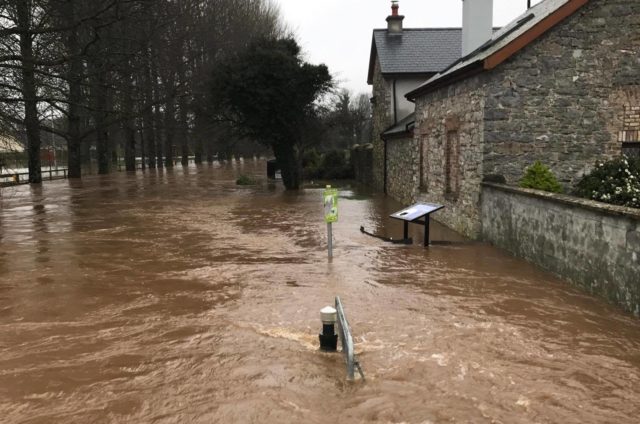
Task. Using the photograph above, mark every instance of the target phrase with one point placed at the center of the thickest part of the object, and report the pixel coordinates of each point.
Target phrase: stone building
(401, 60)
(559, 84)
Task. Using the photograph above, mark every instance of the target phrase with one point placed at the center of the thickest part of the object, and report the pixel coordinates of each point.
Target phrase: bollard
(328, 338)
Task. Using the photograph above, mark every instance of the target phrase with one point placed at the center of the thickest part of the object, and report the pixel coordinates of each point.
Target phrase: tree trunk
(74, 78)
(149, 138)
(129, 146)
(29, 92)
(128, 128)
(98, 92)
(147, 117)
(157, 116)
(209, 145)
(143, 152)
(169, 128)
(102, 135)
(184, 132)
(198, 149)
(289, 164)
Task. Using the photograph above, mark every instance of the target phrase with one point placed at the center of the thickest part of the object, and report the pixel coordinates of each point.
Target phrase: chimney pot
(394, 8)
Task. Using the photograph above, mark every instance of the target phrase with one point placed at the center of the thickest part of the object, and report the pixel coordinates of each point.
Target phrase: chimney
(477, 24)
(394, 21)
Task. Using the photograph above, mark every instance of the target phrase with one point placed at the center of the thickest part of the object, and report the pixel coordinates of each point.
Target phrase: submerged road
(177, 297)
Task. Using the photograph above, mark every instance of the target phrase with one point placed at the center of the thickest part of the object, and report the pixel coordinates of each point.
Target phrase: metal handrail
(347, 343)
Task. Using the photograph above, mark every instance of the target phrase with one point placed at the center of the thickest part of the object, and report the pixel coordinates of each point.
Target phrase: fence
(21, 176)
(14, 178)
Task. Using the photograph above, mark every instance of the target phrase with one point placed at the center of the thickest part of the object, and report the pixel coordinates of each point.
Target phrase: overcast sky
(338, 32)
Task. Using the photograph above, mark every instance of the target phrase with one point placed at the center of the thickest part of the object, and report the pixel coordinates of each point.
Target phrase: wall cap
(593, 205)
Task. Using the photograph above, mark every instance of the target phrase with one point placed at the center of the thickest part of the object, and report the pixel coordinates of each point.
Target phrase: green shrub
(336, 166)
(540, 177)
(245, 180)
(332, 165)
(311, 163)
(616, 182)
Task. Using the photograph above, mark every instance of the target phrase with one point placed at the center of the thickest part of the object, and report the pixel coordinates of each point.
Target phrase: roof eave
(406, 132)
(536, 31)
(471, 69)
(398, 135)
(510, 49)
(426, 75)
(372, 60)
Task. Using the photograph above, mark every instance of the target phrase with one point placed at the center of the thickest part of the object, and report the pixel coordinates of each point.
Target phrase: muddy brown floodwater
(178, 297)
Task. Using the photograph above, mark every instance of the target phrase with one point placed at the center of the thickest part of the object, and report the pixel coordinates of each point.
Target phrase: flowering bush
(616, 181)
(540, 177)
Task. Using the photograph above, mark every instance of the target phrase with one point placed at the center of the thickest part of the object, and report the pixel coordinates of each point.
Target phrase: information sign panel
(330, 197)
(416, 211)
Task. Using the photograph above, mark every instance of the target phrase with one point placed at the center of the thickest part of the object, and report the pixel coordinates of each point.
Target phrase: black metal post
(406, 230)
(426, 230)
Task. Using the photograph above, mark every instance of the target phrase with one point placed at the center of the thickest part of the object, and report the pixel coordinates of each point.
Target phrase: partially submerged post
(328, 337)
(330, 200)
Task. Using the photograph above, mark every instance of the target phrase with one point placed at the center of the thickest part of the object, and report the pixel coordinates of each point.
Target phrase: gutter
(408, 131)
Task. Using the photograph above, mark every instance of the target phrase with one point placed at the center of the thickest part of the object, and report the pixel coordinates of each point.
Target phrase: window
(452, 165)
(423, 156)
(630, 125)
(424, 165)
(630, 134)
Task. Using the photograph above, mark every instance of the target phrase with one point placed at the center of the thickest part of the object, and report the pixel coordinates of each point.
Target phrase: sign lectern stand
(417, 214)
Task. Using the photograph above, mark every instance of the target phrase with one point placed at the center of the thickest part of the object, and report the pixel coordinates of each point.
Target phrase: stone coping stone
(631, 213)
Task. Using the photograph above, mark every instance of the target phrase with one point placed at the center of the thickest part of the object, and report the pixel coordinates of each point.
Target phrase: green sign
(330, 197)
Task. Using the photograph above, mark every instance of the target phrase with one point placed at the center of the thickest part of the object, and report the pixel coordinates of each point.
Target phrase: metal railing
(13, 178)
(176, 160)
(347, 343)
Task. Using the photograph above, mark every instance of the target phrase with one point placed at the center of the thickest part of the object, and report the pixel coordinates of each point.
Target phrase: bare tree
(120, 73)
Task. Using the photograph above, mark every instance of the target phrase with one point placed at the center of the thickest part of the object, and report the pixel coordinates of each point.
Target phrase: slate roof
(402, 128)
(415, 51)
(502, 38)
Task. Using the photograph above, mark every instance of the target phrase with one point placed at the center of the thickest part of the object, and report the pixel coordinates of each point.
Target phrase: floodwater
(178, 297)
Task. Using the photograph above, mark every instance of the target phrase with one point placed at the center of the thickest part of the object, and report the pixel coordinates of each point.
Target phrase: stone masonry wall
(594, 245)
(402, 170)
(382, 119)
(562, 99)
(455, 112)
(627, 103)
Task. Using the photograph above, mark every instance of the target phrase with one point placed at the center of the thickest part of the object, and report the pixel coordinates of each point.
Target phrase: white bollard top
(328, 315)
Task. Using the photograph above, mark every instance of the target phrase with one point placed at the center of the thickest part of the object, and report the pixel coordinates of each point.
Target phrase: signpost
(330, 200)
